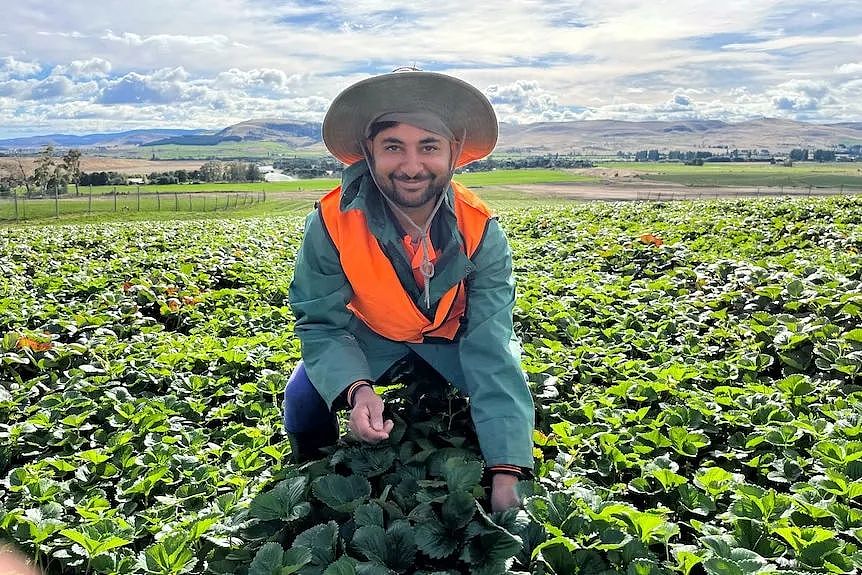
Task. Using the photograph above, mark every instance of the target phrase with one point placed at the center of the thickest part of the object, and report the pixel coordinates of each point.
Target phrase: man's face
(411, 165)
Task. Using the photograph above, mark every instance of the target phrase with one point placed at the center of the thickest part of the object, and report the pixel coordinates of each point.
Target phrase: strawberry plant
(695, 369)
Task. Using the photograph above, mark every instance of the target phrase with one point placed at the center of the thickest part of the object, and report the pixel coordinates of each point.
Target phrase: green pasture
(521, 177)
(801, 174)
(242, 199)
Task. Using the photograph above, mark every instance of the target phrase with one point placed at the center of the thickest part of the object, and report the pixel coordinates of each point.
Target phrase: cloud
(84, 69)
(171, 41)
(525, 101)
(51, 88)
(854, 68)
(210, 62)
(259, 81)
(801, 96)
(12, 68)
(162, 87)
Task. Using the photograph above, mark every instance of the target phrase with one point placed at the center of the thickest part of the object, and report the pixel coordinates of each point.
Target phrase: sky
(78, 67)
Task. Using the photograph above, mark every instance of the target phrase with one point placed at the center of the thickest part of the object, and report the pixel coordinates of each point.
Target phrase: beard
(411, 192)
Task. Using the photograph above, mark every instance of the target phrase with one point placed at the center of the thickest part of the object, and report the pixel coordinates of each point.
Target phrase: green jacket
(484, 362)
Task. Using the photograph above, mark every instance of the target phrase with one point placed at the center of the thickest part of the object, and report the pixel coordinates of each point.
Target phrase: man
(401, 262)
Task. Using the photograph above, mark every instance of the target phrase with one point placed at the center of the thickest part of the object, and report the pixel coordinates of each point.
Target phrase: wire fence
(17, 208)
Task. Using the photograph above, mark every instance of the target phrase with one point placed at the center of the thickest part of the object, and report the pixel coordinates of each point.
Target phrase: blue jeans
(310, 425)
(304, 409)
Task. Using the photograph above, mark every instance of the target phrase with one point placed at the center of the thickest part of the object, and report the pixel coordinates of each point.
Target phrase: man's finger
(360, 424)
(387, 426)
(376, 410)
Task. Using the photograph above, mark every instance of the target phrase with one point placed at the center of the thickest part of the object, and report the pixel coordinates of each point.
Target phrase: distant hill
(298, 134)
(610, 136)
(592, 137)
(113, 139)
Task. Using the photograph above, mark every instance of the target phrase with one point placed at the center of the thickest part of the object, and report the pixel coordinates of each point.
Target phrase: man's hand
(503, 495)
(366, 417)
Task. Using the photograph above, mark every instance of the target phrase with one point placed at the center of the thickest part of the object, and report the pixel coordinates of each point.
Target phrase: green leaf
(721, 566)
(731, 556)
(434, 540)
(271, 559)
(714, 480)
(341, 493)
(458, 509)
(286, 501)
(370, 540)
(320, 540)
(462, 475)
(567, 562)
(370, 461)
(372, 568)
(171, 555)
(368, 514)
(99, 537)
(695, 501)
(267, 560)
(686, 558)
(343, 566)
(394, 547)
(668, 478)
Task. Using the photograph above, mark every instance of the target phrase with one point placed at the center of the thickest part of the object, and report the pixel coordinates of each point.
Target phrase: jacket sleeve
(501, 404)
(319, 294)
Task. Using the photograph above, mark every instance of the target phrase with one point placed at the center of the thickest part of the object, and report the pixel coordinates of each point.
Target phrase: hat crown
(460, 106)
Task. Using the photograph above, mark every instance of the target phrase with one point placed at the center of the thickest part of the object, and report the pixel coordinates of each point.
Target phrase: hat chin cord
(426, 267)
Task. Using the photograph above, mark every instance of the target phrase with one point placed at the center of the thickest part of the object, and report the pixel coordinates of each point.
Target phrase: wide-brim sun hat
(462, 107)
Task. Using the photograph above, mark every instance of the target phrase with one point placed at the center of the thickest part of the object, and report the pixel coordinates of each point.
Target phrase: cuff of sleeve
(353, 388)
(519, 472)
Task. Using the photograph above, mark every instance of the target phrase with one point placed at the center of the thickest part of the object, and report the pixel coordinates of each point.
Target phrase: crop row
(695, 368)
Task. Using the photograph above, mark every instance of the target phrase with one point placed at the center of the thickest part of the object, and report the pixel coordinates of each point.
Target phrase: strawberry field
(695, 367)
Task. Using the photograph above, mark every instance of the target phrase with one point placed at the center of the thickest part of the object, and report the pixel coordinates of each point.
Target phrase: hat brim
(461, 106)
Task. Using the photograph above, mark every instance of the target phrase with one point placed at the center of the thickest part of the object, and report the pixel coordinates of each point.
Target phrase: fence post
(158, 201)
(190, 201)
(90, 201)
(205, 202)
(115, 196)
(176, 201)
(56, 201)
(139, 197)
(15, 199)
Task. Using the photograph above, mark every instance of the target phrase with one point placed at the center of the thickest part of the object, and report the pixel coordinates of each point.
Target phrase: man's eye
(430, 148)
(391, 148)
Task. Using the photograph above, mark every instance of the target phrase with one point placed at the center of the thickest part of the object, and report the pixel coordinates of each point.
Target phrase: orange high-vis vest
(379, 299)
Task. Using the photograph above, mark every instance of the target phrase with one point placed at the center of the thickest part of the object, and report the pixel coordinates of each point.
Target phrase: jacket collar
(359, 192)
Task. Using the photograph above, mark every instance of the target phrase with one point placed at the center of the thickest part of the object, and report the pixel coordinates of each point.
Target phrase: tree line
(51, 175)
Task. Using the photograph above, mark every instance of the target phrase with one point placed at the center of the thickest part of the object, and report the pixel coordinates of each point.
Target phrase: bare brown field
(645, 191)
(105, 164)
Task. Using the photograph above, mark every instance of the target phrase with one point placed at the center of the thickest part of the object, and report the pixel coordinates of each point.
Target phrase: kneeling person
(401, 261)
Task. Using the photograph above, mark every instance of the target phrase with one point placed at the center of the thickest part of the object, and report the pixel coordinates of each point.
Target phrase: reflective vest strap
(473, 215)
(379, 299)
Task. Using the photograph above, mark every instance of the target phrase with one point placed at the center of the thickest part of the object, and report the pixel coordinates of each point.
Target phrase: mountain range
(590, 137)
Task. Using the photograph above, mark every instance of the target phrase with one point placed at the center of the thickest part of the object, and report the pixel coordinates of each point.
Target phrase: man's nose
(411, 164)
